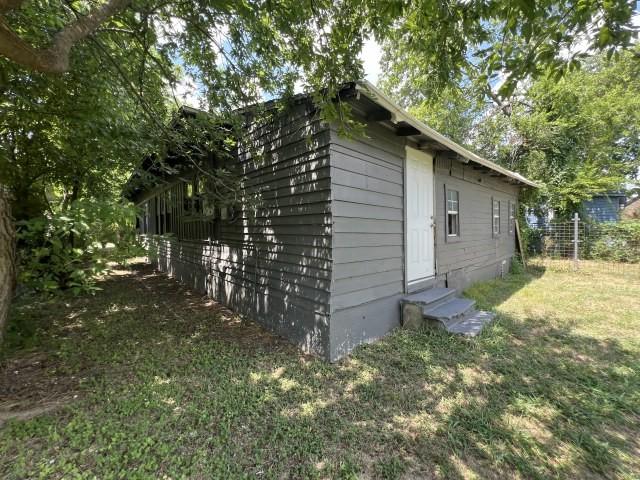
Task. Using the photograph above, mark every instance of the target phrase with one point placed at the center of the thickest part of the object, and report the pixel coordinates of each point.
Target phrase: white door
(420, 221)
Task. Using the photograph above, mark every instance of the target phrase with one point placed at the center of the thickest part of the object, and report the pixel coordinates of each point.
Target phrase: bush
(517, 267)
(68, 250)
(618, 242)
(531, 238)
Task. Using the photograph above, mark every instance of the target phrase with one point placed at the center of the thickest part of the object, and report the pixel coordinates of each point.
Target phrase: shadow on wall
(273, 263)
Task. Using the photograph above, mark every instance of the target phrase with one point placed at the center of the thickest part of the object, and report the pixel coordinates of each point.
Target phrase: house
(344, 230)
(632, 210)
(605, 207)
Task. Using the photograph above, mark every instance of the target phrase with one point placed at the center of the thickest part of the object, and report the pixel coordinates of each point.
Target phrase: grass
(146, 380)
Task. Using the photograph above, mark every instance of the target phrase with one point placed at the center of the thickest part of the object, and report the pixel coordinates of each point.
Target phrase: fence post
(576, 219)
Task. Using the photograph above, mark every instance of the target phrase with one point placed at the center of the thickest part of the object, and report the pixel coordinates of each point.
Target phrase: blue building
(605, 207)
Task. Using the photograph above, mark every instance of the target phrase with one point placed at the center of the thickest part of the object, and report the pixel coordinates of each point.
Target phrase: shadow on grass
(172, 384)
(493, 293)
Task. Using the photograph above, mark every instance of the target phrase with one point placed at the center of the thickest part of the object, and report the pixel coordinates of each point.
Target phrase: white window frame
(495, 218)
(512, 217)
(450, 211)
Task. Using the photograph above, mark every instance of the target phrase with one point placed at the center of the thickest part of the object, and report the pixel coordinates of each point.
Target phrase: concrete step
(471, 324)
(431, 297)
(440, 308)
(450, 311)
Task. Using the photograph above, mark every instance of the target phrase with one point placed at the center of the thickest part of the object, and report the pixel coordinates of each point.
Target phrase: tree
(116, 64)
(496, 44)
(237, 50)
(76, 134)
(62, 136)
(455, 111)
(7, 255)
(428, 42)
(55, 58)
(581, 135)
(578, 136)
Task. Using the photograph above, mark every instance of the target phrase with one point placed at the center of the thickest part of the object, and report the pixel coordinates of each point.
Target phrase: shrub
(618, 242)
(68, 250)
(531, 238)
(517, 267)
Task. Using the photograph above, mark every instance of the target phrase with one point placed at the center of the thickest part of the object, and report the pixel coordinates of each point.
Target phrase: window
(453, 213)
(496, 217)
(168, 210)
(188, 194)
(145, 213)
(512, 217)
(198, 190)
(159, 215)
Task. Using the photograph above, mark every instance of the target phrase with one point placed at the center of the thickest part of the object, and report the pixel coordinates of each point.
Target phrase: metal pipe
(576, 220)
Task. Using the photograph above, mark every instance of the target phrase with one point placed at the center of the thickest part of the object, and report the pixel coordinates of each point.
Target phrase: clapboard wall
(273, 263)
(603, 208)
(367, 177)
(477, 254)
(317, 252)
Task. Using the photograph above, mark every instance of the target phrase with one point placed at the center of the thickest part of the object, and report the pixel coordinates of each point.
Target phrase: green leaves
(430, 47)
(616, 242)
(67, 251)
(578, 134)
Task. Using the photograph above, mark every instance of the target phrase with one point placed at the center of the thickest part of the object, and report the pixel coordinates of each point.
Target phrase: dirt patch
(31, 385)
(36, 382)
(184, 307)
(30, 413)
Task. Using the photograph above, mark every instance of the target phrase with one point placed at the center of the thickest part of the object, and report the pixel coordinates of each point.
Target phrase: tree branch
(54, 59)
(9, 5)
(504, 107)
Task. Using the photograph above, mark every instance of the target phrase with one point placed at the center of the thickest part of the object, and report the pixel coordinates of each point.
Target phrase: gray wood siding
(273, 263)
(367, 210)
(476, 254)
(317, 253)
(367, 179)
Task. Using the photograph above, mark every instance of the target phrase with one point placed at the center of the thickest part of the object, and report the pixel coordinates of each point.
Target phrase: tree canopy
(428, 42)
(87, 87)
(496, 41)
(80, 133)
(578, 136)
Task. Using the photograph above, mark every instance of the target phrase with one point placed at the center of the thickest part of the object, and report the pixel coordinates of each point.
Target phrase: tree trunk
(75, 192)
(54, 59)
(7, 258)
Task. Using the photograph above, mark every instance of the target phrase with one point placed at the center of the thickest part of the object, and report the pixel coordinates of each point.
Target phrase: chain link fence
(586, 246)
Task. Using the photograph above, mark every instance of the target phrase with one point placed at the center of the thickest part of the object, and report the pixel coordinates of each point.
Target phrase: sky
(370, 56)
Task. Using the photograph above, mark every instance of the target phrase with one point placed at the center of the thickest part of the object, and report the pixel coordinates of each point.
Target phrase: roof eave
(399, 115)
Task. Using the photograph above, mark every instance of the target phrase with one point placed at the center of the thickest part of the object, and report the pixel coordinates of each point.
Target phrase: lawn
(145, 380)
